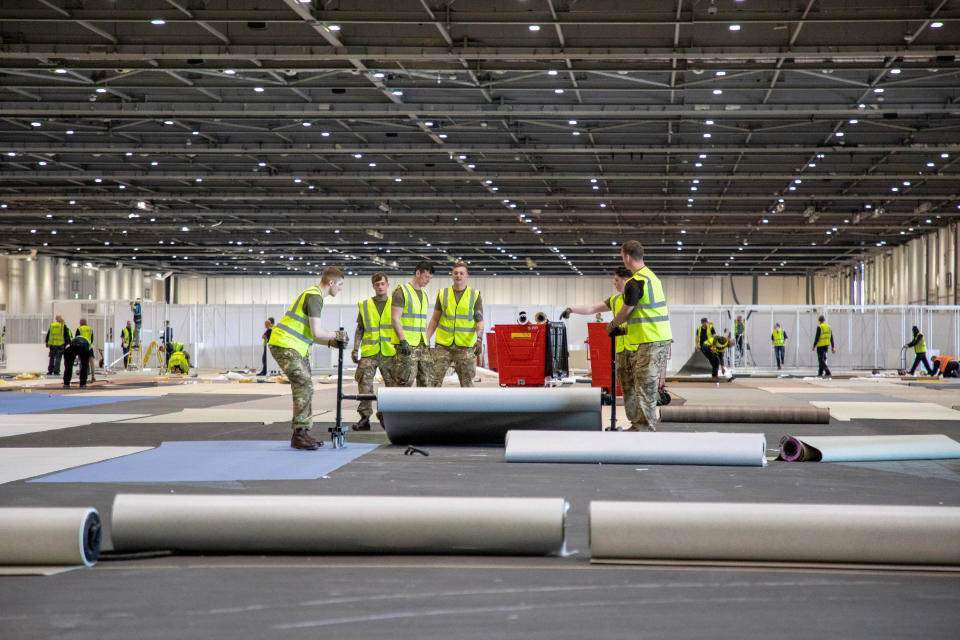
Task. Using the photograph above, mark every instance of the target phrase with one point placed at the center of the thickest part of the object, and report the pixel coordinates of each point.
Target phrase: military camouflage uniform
(643, 375)
(624, 379)
(297, 370)
(463, 359)
(418, 366)
(366, 372)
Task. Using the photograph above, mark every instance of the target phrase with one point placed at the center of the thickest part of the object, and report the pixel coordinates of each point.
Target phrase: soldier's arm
(395, 314)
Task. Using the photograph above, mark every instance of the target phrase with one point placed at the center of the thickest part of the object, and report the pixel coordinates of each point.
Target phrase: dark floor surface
(223, 597)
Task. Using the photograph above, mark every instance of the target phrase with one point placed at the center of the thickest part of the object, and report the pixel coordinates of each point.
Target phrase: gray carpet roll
(295, 524)
(57, 536)
(788, 415)
(837, 533)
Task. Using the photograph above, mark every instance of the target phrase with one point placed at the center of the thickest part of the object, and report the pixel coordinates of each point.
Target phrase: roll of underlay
(632, 447)
(482, 415)
(49, 536)
(834, 533)
(867, 448)
(338, 524)
(789, 415)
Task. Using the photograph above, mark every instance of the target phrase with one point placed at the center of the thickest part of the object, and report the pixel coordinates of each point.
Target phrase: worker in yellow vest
(58, 336)
(919, 345)
(79, 349)
(373, 346)
(408, 315)
(290, 342)
(822, 341)
(648, 337)
(179, 361)
(458, 322)
(779, 340)
(717, 345)
(614, 303)
(126, 341)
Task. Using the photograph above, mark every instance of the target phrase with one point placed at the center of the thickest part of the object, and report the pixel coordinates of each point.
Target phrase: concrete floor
(495, 597)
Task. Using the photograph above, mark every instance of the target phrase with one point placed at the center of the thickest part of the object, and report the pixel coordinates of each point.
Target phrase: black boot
(362, 425)
(303, 440)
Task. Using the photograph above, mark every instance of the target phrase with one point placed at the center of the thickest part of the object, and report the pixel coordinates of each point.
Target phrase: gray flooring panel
(225, 597)
(164, 404)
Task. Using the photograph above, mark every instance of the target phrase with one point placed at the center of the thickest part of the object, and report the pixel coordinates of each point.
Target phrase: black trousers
(780, 354)
(823, 369)
(712, 357)
(739, 347)
(263, 371)
(952, 370)
(78, 348)
(921, 357)
(126, 356)
(53, 362)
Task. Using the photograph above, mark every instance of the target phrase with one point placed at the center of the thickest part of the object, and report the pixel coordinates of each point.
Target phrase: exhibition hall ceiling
(522, 136)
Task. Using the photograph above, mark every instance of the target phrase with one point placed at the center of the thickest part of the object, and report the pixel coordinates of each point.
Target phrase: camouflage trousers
(416, 367)
(297, 370)
(624, 379)
(643, 377)
(464, 362)
(366, 372)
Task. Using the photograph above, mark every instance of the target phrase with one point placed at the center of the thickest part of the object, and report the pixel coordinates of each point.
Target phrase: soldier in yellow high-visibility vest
(58, 336)
(409, 306)
(126, 341)
(373, 346)
(80, 348)
(647, 339)
(290, 342)
(779, 340)
(458, 321)
(919, 345)
(613, 303)
(822, 341)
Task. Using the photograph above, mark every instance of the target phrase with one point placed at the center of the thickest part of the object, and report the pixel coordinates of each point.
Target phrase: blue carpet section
(31, 402)
(217, 461)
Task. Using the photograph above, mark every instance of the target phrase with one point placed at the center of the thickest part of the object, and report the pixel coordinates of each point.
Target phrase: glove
(478, 348)
(613, 330)
(404, 348)
(566, 313)
(355, 356)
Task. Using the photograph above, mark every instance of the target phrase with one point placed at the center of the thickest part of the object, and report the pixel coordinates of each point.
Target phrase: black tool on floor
(411, 450)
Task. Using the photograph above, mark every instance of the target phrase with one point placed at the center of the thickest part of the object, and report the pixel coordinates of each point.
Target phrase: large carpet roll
(631, 447)
(440, 416)
(789, 415)
(837, 533)
(867, 448)
(58, 536)
(338, 524)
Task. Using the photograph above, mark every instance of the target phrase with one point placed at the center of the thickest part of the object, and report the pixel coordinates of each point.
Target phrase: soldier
(290, 343)
(458, 320)
(408, 315)
(648, 337)
(58, 336)
(373, 346)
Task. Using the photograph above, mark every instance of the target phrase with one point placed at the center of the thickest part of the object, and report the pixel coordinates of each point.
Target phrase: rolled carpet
(867, 448)
(788, 415)
(294, 524)
(836, 533)
(57, 536)
(632, 447)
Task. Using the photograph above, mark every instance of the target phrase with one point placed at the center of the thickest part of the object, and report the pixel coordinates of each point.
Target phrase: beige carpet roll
(338, 524)
(834, 533)
(787, 415)
(49, 536)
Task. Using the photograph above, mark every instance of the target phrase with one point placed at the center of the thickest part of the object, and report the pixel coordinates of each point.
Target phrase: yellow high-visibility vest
(779, 337)
(293, 330)
(825, 335)
(378, 333)
(617, 302)
(457, 324)
(179, 359)
(86, 332)
(700, 331)
(55, 339)
(649, 321)
(921, 346)
(414, 318)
